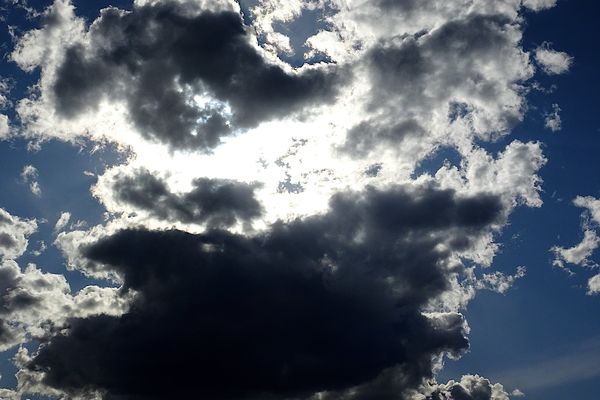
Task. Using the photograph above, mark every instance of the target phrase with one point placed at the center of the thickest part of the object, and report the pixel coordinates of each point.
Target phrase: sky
(299, 200)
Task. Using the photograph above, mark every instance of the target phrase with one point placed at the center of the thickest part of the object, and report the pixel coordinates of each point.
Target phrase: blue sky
(540, 336)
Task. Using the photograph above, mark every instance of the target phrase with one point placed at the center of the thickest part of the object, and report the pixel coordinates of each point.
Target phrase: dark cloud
(320, 304)
(157, 58)
(7, 241)
(215, 202)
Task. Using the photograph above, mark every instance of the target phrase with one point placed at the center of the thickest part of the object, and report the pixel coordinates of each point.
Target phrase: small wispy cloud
(552, 62)
(29, 176)
(552, 119)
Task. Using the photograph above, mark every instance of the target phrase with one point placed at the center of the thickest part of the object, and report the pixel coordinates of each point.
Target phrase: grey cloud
(328, 303)
(156, 58)
(366, 136)
(470, 387)
(14, 232)
(215, 202)
(415, 75)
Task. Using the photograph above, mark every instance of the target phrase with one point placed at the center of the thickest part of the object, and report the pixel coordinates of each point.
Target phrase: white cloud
(31, 299)
(551, 61)
(13, 235)
(538, 5)
(62, 221)
(594, 285)
(499, 282)
(4, 127)
(591, 204)
(579, 254)
(29, 176)
(552, 120)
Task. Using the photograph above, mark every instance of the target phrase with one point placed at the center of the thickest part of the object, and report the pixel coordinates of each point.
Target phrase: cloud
(499, 282)
(552, 120)
(358, 297)
(4, 127)
(581, 253)
(29, 176)
(211, 202)
(470, 387)
(538, 5)
(594, 285)
(62, 221)
(279, 312)
(551, 61)
(187, 82)
(430, 77)
(592, 206)
(34, 303)
(13, 235)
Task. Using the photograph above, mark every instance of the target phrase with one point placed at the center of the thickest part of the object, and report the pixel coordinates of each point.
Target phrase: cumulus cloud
(14, 232)
(551, 61)
(470, 387)
(429, 77)
(29, 176)
(188, 81)
(337, 293)
(34, 303)
(298, 298)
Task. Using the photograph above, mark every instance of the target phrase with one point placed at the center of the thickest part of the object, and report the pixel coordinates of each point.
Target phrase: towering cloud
(325, 303)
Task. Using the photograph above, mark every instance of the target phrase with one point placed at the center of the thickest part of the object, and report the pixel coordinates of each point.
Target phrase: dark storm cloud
(320, 304)
(215, 202)
(156, 58)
